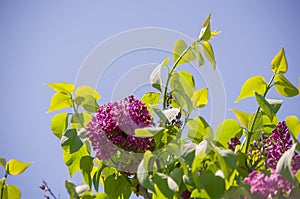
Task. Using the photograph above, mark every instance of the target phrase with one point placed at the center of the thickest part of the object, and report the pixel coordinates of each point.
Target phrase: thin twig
(48, 189)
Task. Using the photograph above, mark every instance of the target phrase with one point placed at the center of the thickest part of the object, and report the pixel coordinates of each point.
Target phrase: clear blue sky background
(46, 41)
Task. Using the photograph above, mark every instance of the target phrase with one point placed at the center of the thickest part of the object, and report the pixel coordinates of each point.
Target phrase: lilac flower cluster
(186, 194)
(233, 143)
(114, 125)
(267, 186)
(279, 142)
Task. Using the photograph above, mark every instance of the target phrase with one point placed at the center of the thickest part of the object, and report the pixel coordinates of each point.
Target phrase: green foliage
(253, 84)
(59, 101)
(62, 87)
(293, 124)
(182, 53)
(11, 192)
(284, 87)
(243, 117)
(200, 98)
(279, 64)
(117, 187)
(59, 124)
(209, 53)
(16, 167)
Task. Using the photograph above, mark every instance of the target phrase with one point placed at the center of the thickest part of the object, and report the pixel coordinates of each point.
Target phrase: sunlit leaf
(59, 124)
(293, 124)
(200, 98)
(279, 64)
(147, 131)
(72, 161)
(205, 32)
(84, 91)
(228, 129)
(166, 185)
(11, 192)
(284, 165)
(16, 167)
(70, 141)
(100, 196)
(209, 53)
(179, 48)
(227, 160)
(275, 104)
(3, 162)
(59, 101)
(200, 58)
(160, 114)
(243, 117)
(151, 98)
(265, 106)
(62, 87)
(213, 34)
(183, 80)
(199, 129)
(284, 87)
(76, 120)
(253, 84)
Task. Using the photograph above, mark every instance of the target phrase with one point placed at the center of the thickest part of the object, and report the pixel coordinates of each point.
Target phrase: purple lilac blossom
(233, 143)
(186, 194)
(114, 124)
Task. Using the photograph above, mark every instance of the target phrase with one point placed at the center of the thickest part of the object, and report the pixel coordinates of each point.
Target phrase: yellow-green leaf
(214, 33)
(59, 124)
(284, 87)
(279, 64)
(59, 101)
(243, 117)
(253, 84)
(205, 32)
(209, 53)
(84, 91)
(265, 106)
(11, 192)
(16, 167)
(3, 162)
(179, 48)
(62, 87)
(293, 125)
(195, 47)
(200, 98)
(83, 118)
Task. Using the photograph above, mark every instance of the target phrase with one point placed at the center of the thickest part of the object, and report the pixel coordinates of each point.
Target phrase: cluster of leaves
(199, 165)
(12, 167)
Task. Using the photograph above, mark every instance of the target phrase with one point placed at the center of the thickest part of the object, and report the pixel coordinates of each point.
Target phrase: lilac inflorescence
(279, 142)
(114, 125)
(233, 143)
(268, 186)
(186, 194)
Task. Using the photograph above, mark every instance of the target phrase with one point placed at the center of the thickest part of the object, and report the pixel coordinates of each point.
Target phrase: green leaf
(2, 182)
(205, 32)
(117, 187)
(144, 178)
(86, 167)
(228, 161)
(293, 125)
(243, 117)
(11, 192)
(160, 114)
(100, 196)
(151, 98)
(156, 78)
(184, 81)
(16, 167)
(298, 176)
(284, 87)
(199, 129)
(195, 47)
(253, 84)
(71, 189)
(148, 131)
(62, 87)
(76, 120)
(284, 165)
(59, 124)
(275, 104)
(213, 185)
(228, 129)
(179, 48)
(171, 113)
(209, 53)
(83, 91)
(258, 125)
(265, 106)
(165, 184)
(3, 162)
(70, 141)
(200, 98)
(96, 177)
(59, 101)
(72, 161)
(279, 64)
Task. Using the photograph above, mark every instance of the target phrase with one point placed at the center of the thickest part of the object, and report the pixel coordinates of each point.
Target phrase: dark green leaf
(71, 189)
(117, 187)
(86, 167)
(70, 141)
(265, 106)
(166, 185)
(213, 185)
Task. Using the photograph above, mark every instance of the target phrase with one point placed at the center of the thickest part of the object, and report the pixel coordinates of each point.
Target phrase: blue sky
(47, 41)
